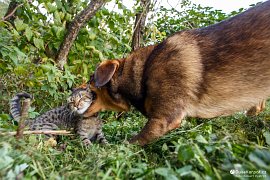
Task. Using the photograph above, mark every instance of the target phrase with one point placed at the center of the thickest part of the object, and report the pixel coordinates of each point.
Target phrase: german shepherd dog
(208, 72)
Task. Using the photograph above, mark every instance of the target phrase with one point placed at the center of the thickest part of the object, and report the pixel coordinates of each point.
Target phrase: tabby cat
(65, 117)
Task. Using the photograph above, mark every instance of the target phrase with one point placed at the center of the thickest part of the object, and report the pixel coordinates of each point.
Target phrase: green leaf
(85, 70)
(5, 160)
(184, 170)
(19, 24)
(20, 168)
(13, 56)
(16, 33)
(167, 173)
(20, 54)
(266, 135)
(51, 8)
(201, 139)
(68, 17)
(58, 4)
(50, 77)
(162, 171)
(39, 43)
(185, 153)
(92, 36)
(70, 82)
(60, 32)
(28, 33)
(4, 117)
(90, 47)
(164, 147)
(100, 55)
(46, 67)
(111, 24)
(57, 18)
(260, 157)
(20, 70)
(114, 40)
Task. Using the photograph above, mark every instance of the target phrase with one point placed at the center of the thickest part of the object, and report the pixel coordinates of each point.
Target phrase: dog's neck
(129, 81)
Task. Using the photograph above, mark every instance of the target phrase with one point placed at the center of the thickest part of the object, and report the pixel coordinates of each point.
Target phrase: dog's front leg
(154, 129)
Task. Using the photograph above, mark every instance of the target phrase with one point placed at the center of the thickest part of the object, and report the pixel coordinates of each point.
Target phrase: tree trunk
(137, 38)
(74, 28)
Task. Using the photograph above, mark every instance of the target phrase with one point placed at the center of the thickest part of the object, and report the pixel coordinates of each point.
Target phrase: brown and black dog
(207, 72)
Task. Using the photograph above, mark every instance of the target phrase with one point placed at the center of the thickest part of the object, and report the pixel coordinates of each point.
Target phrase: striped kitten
(65, 117)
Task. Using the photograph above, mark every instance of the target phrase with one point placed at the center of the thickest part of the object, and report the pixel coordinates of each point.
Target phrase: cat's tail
(15, 105)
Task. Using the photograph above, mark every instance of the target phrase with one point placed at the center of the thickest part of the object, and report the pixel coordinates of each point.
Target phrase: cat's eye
(87, 100)
(69, 100)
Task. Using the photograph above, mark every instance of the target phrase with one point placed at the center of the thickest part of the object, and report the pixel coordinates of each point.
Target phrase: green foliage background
(206, 149)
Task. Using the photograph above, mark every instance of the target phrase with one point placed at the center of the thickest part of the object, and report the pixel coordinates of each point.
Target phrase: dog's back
(217, 70)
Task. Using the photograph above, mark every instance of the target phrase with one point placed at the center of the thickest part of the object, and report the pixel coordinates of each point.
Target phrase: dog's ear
(105, 72)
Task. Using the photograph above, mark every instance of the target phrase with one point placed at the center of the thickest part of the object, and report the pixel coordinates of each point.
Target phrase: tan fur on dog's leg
(255, 110)
(154, 129)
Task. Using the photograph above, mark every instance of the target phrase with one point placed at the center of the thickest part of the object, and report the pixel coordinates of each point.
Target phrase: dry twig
(55, 132)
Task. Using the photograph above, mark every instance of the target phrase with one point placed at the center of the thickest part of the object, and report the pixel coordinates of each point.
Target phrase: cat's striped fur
(65, 117)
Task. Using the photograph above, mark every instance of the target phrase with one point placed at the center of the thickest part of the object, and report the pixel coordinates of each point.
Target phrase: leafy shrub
(219, 148)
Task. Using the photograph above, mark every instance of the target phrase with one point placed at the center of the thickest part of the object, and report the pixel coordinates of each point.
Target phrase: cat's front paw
(104, 142)
(87, 142)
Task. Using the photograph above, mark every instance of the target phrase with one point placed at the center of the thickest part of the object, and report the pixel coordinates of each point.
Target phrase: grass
(234, 147)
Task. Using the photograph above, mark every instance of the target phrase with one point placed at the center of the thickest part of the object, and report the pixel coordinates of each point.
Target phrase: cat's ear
(88, 85)
(82, 86)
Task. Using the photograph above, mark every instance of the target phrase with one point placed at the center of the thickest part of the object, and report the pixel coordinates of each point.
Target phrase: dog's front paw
(126, 142)
(138, 140)
(133, 140)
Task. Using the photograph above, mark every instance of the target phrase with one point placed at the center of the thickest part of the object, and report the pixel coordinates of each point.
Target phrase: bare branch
(59, 132)
(139, 25)
(11, 12)
(74, 28)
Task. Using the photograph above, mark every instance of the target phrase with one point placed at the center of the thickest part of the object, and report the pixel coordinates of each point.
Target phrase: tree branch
(11, 10)
(74, 29)
(140, 24)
